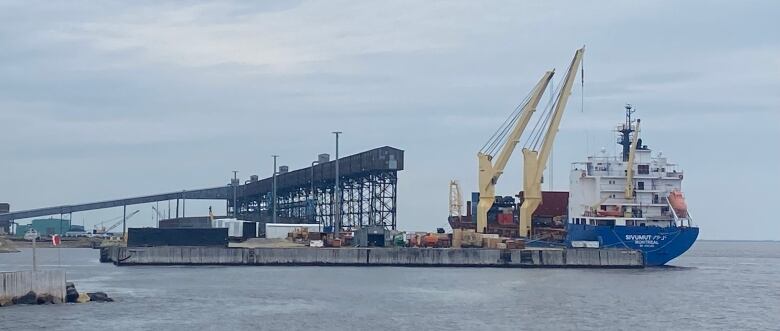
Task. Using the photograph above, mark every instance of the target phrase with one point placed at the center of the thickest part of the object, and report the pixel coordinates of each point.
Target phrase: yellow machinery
(534, 161)
(489, 172)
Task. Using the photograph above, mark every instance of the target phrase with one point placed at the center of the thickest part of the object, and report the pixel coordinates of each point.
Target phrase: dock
(358, 256)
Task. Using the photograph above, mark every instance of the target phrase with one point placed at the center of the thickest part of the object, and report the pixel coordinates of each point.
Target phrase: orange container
(430, 240)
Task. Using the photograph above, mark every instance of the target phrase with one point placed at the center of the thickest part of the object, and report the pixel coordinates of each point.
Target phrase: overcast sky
(103, 100)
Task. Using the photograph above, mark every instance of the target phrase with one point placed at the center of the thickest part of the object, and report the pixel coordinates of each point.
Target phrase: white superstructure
(598, 196)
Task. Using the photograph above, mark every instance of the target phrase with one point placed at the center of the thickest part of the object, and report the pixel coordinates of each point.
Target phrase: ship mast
(629, 190)
(625, 133)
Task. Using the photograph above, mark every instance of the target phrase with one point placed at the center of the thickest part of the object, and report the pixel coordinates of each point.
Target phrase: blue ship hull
(659, 245)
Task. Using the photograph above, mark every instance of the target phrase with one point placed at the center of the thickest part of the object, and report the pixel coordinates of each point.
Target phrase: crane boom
(629, 190)
(535, 161)
(120, 221)
(159, 214)
(490, 172)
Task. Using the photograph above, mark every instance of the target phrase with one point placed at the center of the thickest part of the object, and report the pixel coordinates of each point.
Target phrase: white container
(222, 222)
(316, 243)
(235, 229)
(280, 230)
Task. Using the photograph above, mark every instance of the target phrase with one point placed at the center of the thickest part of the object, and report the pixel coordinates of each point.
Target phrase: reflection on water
(716, 285)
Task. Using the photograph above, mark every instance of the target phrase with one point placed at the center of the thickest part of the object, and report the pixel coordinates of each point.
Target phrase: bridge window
(643, 169)
(640, 185)
(606, 222)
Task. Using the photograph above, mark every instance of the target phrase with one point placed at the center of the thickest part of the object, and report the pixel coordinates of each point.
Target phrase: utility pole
(337, 192)
(273, 194)
(124, 223)
(35, 261)
(183, 204)
(313, 195)
(235, 193)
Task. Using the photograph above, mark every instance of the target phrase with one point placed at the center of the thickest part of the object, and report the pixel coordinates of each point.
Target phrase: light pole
(235, 193)
(313, 195)
(337, 221)
(273, 194)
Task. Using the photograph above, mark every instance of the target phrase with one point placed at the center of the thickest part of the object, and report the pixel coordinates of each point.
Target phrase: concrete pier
(420, 257)
(18, 283)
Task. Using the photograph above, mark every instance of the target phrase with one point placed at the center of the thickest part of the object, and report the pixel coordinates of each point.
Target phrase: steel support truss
(368, 199)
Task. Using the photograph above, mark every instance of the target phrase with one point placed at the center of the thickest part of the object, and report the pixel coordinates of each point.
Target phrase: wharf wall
(426, 257)
(18, 283)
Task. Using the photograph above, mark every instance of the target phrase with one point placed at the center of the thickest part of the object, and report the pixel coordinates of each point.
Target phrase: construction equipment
(159, 214)
(104, 230)
(535, 160)
(490, 172)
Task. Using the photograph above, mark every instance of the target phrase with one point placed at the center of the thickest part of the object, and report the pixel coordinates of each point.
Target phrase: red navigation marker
(55, 240)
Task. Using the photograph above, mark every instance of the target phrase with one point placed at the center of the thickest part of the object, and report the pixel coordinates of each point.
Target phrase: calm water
(717, 285)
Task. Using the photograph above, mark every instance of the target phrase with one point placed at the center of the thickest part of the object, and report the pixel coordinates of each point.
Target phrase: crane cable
(537, 132)
(499, 138)
(535, 139)
(502, 134)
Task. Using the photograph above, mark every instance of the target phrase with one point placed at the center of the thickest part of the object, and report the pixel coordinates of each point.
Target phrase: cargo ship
(632, 200)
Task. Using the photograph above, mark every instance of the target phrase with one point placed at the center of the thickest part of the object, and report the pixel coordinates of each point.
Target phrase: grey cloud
(102, 92)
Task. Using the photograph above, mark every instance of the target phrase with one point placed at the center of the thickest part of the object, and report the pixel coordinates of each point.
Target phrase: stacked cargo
(490, 240)
(471, 239)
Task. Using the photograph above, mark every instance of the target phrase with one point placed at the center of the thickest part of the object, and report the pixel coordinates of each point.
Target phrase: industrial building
(48, 227)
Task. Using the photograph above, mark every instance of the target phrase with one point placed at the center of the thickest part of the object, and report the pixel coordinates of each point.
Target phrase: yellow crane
(490, 172)
(534, 161)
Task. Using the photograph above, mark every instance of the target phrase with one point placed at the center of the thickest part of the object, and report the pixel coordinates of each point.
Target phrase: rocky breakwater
(73, 296)
(42, 287)
(31, 298)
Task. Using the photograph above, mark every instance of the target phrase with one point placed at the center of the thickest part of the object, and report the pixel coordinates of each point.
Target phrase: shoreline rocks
(99, 297)
(6, 246)
(71, 296)
(30, 298)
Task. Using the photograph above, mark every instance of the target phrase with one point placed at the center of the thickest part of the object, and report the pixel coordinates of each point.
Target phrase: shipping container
(238, 229)
(186, 222)
(146, 237)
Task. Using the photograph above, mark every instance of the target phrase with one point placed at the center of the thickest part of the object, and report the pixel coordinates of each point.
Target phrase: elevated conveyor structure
(216, 193)
(368, 183)
(368, 188)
